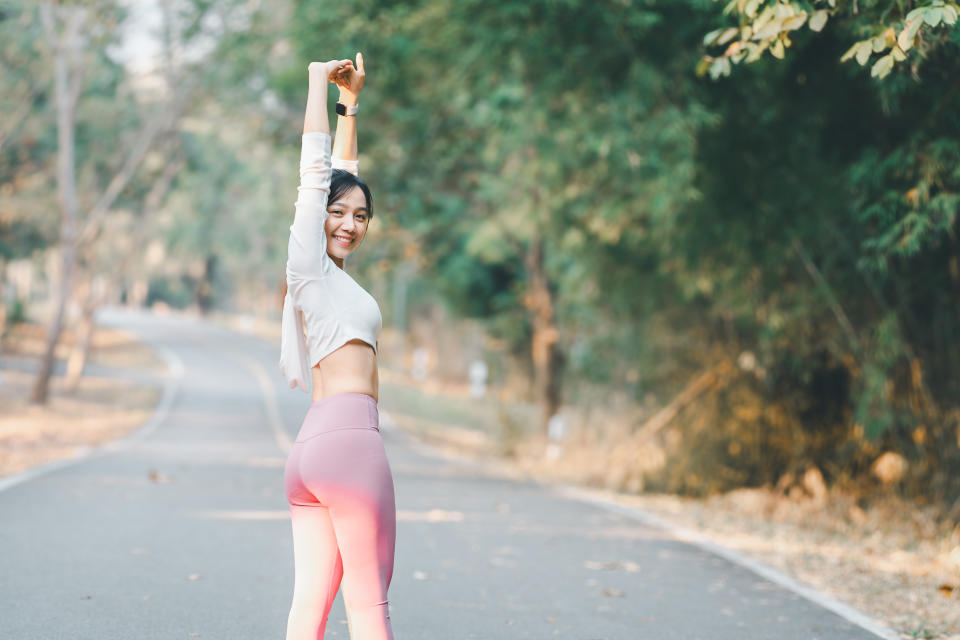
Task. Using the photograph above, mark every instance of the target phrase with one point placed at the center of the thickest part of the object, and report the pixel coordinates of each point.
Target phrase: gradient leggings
(342, 508)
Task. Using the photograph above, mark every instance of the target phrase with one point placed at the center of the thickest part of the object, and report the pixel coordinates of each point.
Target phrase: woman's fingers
(360, 62)
(339, 69)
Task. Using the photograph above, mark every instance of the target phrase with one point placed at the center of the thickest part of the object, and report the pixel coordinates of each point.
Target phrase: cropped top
(324, 307)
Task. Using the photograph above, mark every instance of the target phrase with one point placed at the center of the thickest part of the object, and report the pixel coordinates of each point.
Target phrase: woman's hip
(337, 412)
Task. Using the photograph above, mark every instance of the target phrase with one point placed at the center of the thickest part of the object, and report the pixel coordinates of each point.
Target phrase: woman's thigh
(348, 472)
(318, 567)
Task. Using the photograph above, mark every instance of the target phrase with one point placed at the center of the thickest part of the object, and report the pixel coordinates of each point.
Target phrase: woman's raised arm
(307, 248)
(350, 82)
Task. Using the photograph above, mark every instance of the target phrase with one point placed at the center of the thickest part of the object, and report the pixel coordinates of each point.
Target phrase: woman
(337, 477)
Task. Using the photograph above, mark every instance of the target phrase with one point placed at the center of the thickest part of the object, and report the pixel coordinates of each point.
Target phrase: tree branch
(161, 122)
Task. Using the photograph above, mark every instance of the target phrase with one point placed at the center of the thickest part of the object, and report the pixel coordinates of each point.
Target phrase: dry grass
(109, 347)
(101, 409)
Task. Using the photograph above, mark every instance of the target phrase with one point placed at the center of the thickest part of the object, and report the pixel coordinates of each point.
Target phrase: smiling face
(346, 224)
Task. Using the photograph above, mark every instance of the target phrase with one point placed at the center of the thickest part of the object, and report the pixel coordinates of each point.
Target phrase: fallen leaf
(159, 478)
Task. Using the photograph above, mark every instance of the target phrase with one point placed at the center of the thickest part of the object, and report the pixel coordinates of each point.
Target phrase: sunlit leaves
(767, 24)
(909, 32)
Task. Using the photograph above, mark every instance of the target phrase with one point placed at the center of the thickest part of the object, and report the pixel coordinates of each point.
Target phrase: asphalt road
(182, 531)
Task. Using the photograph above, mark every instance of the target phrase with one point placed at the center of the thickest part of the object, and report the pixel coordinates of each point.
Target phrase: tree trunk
(41, 387)
(203, 290)
(544, 348)
(81, 346)
(66, 92)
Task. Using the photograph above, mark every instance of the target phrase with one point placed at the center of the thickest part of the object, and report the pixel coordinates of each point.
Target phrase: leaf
(782, 10)
(720, 67)
(898, 54)
(777, 49)
(766, 17)
(733, 49)
(710, 37)
(932, 16)
(915, 14)
(818, 19)
(879, 43)
(769, 31)
(702, 66)
(864, 49)
(850, 52)
(795, 22)
(755, 52)
(905, 39)
(882, 67)
(889, 37)
(728, 35)
(949, 15)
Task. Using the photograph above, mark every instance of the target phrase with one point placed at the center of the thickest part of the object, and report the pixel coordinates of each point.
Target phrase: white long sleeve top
(324, 307)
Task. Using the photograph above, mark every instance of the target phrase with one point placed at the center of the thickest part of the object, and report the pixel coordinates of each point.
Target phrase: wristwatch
(343, 110)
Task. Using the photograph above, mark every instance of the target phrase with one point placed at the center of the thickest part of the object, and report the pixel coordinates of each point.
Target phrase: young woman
(338, 480)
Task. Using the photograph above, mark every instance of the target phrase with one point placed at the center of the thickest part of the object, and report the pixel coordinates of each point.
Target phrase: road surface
(182, 531)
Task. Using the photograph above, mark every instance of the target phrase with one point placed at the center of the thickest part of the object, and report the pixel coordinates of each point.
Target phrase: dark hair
(342, 182)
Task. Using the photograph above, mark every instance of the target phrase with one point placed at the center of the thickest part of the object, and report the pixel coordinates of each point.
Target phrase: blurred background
(677, 246)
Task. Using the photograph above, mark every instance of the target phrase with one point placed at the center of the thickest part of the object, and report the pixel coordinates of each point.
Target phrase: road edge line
(171, 385)
(690, 536)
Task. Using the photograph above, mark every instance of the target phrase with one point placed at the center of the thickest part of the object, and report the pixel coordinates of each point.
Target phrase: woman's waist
(337, 411)
(350, 369)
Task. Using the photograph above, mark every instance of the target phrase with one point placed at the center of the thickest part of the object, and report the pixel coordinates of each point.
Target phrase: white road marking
(695, 538)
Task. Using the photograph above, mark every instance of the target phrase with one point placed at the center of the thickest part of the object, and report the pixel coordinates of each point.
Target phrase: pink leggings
(341, 497)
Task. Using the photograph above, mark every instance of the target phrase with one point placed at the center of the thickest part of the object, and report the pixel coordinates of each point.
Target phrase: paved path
(183, 532)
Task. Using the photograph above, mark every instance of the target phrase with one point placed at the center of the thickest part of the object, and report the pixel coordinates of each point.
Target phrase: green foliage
(785, 215)
(800, 217)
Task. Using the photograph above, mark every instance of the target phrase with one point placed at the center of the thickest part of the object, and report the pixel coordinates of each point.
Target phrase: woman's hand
(328, 70)
(349, 78)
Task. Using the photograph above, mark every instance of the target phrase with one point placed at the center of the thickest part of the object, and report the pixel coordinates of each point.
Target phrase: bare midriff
(352, 368)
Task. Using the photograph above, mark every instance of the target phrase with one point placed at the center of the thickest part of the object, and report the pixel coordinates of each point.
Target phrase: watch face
(341, 109)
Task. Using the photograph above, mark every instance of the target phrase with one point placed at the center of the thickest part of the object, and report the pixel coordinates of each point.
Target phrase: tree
(516, 147)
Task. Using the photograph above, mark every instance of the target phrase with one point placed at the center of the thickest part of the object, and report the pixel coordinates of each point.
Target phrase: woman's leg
(317, 572)
(364, 518)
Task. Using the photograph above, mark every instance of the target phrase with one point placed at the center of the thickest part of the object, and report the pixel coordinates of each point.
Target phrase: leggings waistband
(348, 410)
